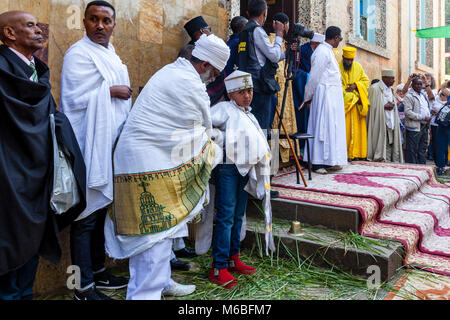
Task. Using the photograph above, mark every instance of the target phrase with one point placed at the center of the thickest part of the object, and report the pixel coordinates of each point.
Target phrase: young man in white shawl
(162, 166)
(327, 113)
(95, 96)
(246, 168)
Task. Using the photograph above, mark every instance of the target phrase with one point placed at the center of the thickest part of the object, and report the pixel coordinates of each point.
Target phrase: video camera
(299, 30)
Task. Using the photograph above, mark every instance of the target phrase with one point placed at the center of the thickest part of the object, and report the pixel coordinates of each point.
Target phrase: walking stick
(299, 168)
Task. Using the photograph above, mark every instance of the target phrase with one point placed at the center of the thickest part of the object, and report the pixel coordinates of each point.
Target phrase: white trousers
(150, 272)
(178, 244)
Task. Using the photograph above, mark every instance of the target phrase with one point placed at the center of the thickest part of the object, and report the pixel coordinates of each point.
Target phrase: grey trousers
(417, 144)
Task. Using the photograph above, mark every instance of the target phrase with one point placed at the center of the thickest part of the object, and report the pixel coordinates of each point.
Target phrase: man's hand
(434, 112)
(351, 88)
(279, 28)
(121, 92)
(424, 80)
(389, 106)
(427, 119)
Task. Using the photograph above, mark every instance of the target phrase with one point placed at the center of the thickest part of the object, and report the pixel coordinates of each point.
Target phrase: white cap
(238, 80)
(213, 50)
(318, 38)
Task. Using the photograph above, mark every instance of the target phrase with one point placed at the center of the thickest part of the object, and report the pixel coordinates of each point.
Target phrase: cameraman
(259, 57)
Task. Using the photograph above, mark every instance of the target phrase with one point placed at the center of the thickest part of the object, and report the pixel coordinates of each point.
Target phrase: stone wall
(148, 35)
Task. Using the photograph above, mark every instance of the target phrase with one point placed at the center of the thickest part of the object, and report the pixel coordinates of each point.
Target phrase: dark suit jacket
(27, 223)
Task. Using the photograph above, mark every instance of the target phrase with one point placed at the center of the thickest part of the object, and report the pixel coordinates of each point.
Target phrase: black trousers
(87, 245)
(18, 284)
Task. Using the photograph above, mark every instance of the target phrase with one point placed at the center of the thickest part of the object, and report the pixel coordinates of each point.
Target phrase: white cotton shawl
(168, 125)
(247, 148)
(89, 70)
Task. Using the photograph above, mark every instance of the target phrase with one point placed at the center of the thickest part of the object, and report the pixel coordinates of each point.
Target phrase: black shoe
(185, 253)
(177, 264)
(274, 194)
(105, 280)
(90, 294)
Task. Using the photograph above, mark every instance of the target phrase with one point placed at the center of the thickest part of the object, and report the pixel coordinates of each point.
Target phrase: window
(425, 20)
(365, 22)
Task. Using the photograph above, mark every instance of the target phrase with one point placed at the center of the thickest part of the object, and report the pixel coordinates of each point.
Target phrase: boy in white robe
(246, 151)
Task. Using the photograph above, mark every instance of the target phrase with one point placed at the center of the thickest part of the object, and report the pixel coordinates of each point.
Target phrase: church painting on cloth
(157, 201)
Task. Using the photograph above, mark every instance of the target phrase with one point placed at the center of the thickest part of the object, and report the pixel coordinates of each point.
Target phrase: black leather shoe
(274, 194)
(185, 253)
(177, 264)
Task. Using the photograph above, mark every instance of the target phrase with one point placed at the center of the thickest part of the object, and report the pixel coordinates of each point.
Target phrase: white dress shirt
(389, 114)
(24, 59)
(264, 48)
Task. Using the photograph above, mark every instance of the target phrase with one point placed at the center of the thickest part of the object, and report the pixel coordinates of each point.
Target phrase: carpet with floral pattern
(400, 202)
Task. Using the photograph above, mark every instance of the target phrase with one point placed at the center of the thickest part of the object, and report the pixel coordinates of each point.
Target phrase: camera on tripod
(299, 30)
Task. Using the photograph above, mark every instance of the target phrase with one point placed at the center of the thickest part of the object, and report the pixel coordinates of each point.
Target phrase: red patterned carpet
(396, 201)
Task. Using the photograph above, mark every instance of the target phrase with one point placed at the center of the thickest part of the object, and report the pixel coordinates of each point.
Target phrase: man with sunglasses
(162, 165)
(196, 27)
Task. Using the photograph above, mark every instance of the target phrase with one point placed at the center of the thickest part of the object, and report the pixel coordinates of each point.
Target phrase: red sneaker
(236, 265)
(222, 277)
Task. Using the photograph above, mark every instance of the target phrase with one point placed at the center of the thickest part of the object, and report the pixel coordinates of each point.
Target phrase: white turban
(212, 49)
(320, 38)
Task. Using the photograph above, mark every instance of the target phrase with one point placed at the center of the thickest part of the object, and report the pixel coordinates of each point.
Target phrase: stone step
(327, 248)
(334, 218)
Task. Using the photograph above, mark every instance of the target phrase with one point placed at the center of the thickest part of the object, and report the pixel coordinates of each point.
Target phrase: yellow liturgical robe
(356, 108)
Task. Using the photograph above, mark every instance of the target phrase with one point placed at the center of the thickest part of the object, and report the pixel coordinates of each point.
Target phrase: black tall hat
(195, 25)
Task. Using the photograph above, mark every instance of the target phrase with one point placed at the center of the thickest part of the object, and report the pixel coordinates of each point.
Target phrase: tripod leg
(296, 152)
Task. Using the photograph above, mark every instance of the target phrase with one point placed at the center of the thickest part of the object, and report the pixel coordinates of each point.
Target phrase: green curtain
(439, 32)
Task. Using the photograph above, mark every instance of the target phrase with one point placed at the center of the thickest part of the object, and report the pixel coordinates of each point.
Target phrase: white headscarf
(213, 50)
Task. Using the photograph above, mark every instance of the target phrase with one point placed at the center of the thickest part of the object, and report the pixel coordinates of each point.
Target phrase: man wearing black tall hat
(28, 226)
(196, 27)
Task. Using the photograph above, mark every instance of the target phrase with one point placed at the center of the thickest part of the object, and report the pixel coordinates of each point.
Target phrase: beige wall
(148, 35)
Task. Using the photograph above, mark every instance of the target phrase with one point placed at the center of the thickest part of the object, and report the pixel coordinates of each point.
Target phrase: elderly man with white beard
(162, 165)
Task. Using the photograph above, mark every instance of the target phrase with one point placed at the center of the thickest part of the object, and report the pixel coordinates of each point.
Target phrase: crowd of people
(197, 134)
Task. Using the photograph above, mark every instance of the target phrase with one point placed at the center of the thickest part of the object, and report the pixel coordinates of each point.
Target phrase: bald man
(28, 225)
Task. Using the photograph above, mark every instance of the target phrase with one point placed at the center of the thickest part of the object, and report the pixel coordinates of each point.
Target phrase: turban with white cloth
(212, 49)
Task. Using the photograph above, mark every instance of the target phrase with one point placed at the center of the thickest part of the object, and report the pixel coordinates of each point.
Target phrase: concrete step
(334, 218)
(327, 248)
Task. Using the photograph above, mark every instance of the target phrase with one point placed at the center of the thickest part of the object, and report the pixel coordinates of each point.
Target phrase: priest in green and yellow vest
(355, 84)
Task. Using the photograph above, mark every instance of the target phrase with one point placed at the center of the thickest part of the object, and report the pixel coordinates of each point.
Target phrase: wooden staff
(292, 147)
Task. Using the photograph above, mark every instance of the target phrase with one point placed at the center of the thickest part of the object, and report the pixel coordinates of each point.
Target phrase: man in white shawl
(246, 169)
(95, 96)
(162, 166)
(327, 114)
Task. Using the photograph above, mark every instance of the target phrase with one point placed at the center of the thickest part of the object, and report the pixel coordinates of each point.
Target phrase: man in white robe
(95, 96)
(162, 164)
(327, 114)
